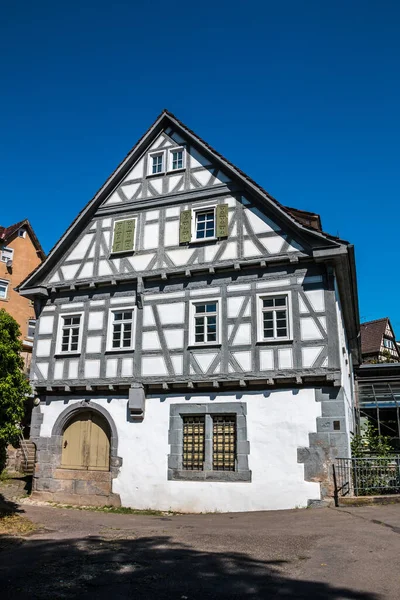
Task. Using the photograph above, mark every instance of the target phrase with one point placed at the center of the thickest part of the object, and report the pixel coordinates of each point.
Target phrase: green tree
(14, 387)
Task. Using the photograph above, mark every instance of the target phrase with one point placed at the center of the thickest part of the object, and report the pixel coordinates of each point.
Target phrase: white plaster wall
(278, 422)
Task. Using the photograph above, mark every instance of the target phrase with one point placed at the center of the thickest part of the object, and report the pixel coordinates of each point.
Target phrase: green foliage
(14, 387)
(374, 472)
(371, 443)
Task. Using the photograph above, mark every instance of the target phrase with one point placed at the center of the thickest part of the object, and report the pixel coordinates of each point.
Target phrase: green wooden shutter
(222, 220)
(129, 235)
(185, 227)
(119, 230)
(124, 236)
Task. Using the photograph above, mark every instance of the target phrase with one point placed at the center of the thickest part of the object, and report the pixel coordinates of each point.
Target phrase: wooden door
(86, 443)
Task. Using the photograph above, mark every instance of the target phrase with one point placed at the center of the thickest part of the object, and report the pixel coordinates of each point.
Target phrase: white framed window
(6, 254)
(205, 322)
(388, 344)
(69, 335)
(204, 223)
(156, 163)
(274, 317)
(31, 329)
(3, 289)
(121, 328)
(22, 233)
(176, 159)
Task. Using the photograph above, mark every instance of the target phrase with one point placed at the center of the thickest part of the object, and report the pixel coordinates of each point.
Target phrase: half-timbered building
(195, 341)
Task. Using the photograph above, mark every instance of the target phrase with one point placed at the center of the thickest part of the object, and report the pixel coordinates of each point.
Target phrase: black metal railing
(366, 476)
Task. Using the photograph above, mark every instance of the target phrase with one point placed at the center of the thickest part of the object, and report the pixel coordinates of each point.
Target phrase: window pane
(268, 302)
(224, 443)
(118, 316)
(200, 308)
(211, 307)
(193, 443)
(281, 301)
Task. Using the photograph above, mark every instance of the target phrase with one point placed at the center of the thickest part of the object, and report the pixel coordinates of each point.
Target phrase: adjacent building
(195, 341)
(378, 343)
(20, 254)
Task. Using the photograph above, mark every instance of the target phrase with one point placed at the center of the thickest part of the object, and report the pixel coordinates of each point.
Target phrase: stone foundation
(70, 486)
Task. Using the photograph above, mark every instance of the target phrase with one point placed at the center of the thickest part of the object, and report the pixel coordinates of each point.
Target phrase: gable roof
(371, 335)
(305, 224)
(6, 234)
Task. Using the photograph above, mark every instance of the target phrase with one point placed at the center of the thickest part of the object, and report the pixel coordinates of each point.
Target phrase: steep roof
(371, 335)
(6, 234)
(302, 221)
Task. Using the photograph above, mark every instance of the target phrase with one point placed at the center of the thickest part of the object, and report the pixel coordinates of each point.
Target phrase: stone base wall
(14, 459)
(71, 486)
(330, 441)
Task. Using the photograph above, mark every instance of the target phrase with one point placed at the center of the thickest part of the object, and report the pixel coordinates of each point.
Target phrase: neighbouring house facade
(195, 341)
(378, 343)
(20, 254)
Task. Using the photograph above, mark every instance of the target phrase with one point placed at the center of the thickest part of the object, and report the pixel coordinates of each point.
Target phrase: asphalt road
(323, 554)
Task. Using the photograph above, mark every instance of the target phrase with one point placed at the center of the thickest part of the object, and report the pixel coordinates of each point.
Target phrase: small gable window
(176, 159)
(203, 224)
(124, 236)
(156, 163)
(6, 254)
(22, 233)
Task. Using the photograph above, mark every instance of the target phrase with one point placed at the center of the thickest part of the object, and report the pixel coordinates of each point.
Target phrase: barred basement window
(193, 443)
(224, 443)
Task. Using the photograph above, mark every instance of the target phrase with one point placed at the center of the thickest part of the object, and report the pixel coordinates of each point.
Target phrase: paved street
(351, 553)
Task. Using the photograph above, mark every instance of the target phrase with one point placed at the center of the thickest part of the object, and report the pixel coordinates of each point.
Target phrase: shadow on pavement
(149, 569)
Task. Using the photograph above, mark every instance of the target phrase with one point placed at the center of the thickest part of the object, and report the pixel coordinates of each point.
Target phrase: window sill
(4, 300)
(171, 171)
(114, 254)
(160, 174)
(203, 240)
(218, 476)
(204, 345)
(118, 350)
(64, 354)
(274, 341)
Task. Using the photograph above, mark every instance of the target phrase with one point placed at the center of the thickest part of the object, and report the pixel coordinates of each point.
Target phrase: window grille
(275, 317)
(224, 443)
(205, 224)
(122, 329)
(205, 322)
(193, 443)
(70, 333)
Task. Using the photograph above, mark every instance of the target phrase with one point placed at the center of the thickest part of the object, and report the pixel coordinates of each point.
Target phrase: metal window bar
(193, 443)
(224, 443)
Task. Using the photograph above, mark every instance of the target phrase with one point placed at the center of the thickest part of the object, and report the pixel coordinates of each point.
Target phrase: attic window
(22, 233)
(176, 159)
(6, 254)
(203, 224)
(156, 163)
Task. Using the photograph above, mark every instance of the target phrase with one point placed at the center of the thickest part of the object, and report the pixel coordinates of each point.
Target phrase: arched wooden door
(86, 443)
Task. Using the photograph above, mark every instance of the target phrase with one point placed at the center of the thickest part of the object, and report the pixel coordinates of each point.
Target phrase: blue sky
(303, 96)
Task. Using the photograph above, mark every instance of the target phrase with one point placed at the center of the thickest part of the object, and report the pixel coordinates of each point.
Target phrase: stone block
(319, 440)
(333, 408)
(101, 488)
